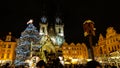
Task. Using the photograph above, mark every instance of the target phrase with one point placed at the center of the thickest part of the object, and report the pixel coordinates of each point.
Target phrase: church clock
(59, 40)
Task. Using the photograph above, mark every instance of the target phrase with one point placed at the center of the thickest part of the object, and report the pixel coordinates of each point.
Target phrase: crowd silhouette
(56, 64)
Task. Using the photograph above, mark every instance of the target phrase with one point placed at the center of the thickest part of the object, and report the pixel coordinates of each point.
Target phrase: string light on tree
(24, 44)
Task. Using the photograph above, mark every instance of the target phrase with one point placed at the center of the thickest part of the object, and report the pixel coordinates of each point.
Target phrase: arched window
(2, 56)
(118, 46)
(112, 49)
(59, 30)
(115, 48)
(9, 46)
(43, 29)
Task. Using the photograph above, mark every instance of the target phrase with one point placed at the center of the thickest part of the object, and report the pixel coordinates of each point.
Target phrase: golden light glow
(72, 51)
(7, 52)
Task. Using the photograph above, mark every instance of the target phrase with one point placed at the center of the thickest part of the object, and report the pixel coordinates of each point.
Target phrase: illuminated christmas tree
(30, 34)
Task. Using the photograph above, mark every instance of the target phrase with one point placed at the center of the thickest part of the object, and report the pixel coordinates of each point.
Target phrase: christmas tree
(30, 34)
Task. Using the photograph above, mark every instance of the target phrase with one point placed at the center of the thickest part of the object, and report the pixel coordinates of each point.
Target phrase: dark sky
(15, 13)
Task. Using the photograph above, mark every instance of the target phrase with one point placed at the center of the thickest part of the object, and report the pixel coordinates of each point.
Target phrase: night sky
(15, 14)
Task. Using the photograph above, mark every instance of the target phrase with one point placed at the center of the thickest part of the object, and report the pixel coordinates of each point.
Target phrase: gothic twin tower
(51, 29)
(54, 31)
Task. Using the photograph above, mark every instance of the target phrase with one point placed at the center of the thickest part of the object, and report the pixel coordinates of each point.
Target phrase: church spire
(43, 7)
(43, 19)
(59, 26)
(58, 16)
(101, 38)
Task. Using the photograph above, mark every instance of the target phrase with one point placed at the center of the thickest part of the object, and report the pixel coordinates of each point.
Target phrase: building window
(2, 56)
(9, 46)
(112, 49)
(113, 40)
(109, 49)
(3, 50)
(107, 42)
(8, 51)
(115, 48)
(118, 46)
(8, 55)
(4, 46)
(43, 29)
(116, 39)
(59, 30)
(69, 48)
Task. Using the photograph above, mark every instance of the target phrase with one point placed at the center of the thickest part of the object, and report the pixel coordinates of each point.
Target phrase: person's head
(41, 64)
(7, 64)
(93, 64)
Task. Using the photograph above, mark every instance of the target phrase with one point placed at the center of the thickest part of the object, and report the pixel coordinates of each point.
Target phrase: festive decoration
(43, 45)
(30, 34)
(30, 21)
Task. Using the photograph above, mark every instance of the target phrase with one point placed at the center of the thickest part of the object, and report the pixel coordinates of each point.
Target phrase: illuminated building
(54, 31)
(107, 45)
(52, 37)
(74, 53)
(7, 49)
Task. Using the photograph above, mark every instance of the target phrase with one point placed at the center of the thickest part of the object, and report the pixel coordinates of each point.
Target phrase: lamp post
(89, 31)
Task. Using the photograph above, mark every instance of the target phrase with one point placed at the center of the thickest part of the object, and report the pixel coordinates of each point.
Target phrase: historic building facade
(107, 45)
(7, 49)
(74, 53)
(55, 31)
(52, 37)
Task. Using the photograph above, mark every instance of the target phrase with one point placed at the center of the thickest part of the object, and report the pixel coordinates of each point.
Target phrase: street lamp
(89, 31)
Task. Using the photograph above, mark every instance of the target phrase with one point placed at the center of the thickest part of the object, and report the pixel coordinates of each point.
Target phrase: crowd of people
(56, 64)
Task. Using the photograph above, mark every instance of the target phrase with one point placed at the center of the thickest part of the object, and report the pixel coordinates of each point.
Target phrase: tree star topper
(30, 21)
